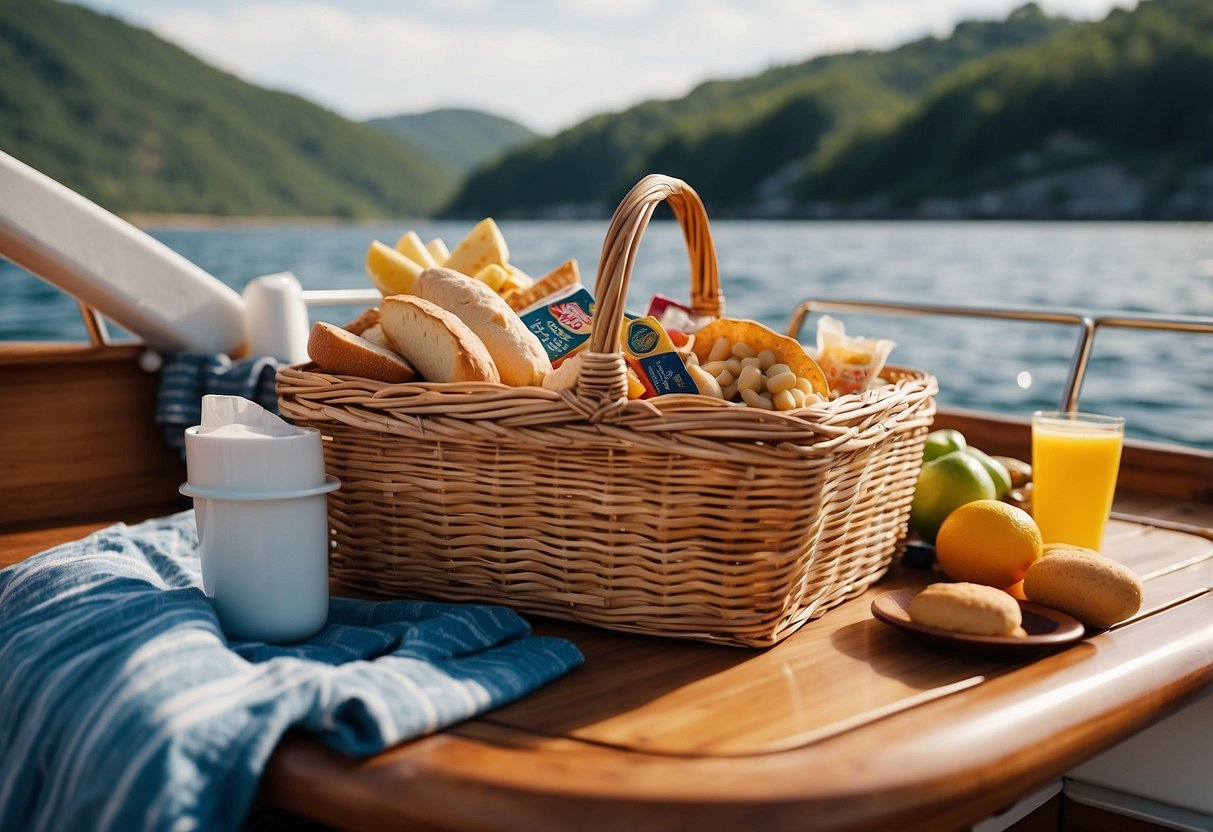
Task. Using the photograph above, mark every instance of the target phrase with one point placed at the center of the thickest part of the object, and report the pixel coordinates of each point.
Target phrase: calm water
(1162, 382)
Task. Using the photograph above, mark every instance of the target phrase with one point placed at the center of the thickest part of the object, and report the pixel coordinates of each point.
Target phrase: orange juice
(1075, 459)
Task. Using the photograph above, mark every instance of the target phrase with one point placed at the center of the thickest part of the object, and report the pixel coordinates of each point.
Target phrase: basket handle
(604, 374)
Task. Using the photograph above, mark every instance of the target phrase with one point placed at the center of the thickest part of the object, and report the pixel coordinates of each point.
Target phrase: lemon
(988, 542)
(944, 485)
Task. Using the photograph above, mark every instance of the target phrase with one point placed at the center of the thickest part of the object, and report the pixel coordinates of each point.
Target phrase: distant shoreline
(202, 222)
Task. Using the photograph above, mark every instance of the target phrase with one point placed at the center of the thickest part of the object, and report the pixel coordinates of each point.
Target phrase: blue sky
(546, 63)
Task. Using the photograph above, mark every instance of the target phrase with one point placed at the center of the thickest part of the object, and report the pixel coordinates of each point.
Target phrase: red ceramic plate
(1048, 629)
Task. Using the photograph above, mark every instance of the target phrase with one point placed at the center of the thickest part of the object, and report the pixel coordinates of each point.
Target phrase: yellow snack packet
(849, 362)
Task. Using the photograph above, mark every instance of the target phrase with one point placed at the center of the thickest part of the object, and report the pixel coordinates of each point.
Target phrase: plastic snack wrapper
(850, 363)
(564, 321)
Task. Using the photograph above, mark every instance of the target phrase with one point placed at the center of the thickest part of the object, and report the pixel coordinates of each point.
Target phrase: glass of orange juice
(1075, 459)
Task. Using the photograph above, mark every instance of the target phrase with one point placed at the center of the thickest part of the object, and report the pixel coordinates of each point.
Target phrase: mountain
(463, 139)
(1114, 120)
(138, 125)
(729, 138)
(1032, 116)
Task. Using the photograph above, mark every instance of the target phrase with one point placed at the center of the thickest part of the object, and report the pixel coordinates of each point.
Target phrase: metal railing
(1087, 325)
(99, 335)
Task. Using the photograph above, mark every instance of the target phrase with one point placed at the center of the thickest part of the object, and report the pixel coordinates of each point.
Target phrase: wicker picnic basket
(675, 516)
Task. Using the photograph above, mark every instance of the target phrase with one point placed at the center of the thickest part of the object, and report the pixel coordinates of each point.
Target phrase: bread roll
(343, 353)
(1097, 591)
(520, 357)
(970, 608)
(435, 341)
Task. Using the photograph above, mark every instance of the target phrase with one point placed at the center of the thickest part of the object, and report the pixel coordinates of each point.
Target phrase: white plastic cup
(261, 508)
(277, 317)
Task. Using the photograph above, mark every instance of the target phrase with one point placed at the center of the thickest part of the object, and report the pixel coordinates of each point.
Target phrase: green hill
(733, 139)
(1033, 116)
(463, 139)
(138, 125)
(1129, 99)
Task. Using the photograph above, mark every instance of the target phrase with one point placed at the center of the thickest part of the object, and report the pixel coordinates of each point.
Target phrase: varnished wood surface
(76, 436)
(847, 725)
(848, 722)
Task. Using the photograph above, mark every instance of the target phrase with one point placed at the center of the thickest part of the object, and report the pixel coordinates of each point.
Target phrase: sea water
(1161, 382)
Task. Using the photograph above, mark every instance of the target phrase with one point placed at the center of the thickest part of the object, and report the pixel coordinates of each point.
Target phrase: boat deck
(847, 725)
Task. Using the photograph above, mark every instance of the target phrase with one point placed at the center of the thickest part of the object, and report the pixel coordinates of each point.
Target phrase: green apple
(997, 471)
(940, 442)
(944, 485)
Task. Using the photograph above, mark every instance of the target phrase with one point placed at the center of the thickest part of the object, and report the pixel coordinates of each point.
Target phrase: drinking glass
(1075, 460)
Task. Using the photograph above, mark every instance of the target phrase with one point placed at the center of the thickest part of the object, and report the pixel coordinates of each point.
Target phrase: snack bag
(849, 362)
(562, 322)
(648, 349)
(678, 319)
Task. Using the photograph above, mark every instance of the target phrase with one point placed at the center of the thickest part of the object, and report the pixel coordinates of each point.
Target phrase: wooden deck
(847, 725)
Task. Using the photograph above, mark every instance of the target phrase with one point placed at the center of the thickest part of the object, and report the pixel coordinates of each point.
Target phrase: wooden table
(849, 724)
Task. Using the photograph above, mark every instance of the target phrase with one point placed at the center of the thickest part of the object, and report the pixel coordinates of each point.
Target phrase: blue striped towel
(186, 377)
(123, 707)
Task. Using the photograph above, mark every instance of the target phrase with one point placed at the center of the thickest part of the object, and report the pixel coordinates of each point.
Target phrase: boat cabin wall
(77, 438)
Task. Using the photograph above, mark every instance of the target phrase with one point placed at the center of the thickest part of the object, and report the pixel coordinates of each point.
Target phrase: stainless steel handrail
(1087, 326)
(341, 297)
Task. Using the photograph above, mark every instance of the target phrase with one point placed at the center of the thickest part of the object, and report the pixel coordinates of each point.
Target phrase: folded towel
(186, 377)
(122, 705)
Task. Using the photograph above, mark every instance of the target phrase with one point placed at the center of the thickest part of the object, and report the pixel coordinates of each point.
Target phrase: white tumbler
(260, 500)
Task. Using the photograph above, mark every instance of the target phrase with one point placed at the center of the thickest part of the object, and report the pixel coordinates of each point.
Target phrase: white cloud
(543, 62)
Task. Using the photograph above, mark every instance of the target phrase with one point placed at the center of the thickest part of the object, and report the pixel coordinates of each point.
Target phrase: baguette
(343, 353)
(435, 341)
(518, 354)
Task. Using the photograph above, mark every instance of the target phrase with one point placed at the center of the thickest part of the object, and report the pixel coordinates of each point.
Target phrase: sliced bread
(435, 341)
(343, 353)
(520, 358)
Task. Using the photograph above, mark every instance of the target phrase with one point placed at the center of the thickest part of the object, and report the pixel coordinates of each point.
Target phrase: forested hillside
(1128, 101)
(138, 125)
(1029, 117)
(731, 139)
(463, 139)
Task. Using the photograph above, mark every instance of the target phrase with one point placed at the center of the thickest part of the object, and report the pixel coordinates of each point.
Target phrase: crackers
(562, 277)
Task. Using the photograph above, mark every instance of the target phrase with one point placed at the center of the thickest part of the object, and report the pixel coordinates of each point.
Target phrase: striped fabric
(186, 377)
(122, 707)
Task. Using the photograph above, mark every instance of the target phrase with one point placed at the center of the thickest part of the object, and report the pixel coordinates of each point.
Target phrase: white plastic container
(277, 317)
(259, 491)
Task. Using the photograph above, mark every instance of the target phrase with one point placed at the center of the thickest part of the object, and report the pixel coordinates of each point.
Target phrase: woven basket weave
(675, 516)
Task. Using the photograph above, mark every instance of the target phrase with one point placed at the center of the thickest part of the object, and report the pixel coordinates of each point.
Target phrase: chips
(787, 349)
